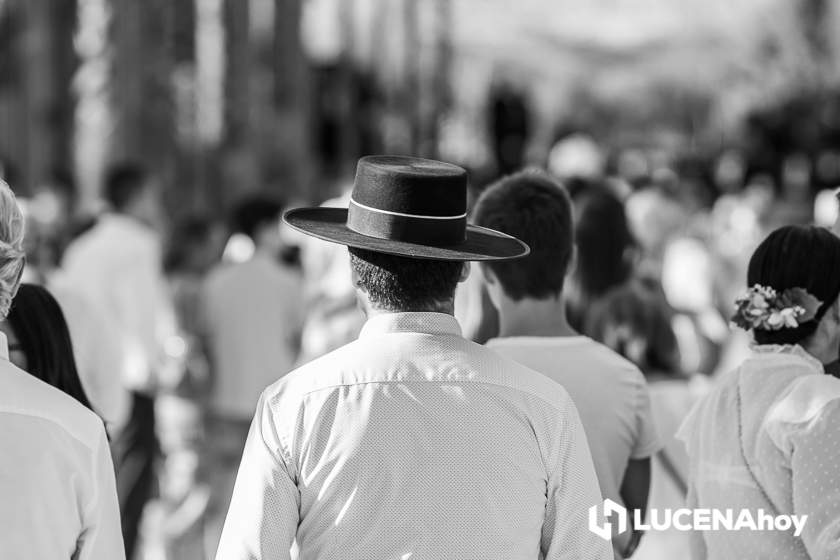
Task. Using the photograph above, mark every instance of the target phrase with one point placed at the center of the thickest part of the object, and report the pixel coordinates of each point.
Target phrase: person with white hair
(59, 498)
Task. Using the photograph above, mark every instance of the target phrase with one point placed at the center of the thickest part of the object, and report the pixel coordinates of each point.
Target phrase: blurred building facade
(223, 97)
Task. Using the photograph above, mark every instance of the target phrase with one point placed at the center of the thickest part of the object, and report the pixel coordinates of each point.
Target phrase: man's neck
(443, 307)
(535, 317)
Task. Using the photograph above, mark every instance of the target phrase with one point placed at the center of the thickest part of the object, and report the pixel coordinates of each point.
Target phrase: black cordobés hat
(411, 207)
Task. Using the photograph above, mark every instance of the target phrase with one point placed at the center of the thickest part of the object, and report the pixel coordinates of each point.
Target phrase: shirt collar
(531, 341)
(411, 322)
(789, 350)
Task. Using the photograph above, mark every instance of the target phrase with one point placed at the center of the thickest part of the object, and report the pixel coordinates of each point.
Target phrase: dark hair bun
(805, 257)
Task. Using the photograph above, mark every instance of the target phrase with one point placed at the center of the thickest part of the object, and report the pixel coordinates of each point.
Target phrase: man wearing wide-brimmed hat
(412, 442)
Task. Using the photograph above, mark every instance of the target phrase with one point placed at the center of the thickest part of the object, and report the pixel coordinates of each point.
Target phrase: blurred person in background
(633, 165)
(766, 436)
(49, 435)
(509, 120)
(194, 248)
(98, 351)
(634, 320)
(176, 520)
(252, 314)
(474, 310)
(795, 204)
(528, 294)
(96, 342)
(333, 317)
(729, 172)
(737, 225)
(576, 158)
(118, 264)
(654, 217)
(39, 343)
(478, 318)
(606, 251)
(52, 222)
(688, 284)
(54, 209)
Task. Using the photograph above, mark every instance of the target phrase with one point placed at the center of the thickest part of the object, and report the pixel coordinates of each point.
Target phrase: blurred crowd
(199, 315)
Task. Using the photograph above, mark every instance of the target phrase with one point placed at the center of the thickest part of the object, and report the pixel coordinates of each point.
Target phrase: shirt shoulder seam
(51, 420)
(555, 405)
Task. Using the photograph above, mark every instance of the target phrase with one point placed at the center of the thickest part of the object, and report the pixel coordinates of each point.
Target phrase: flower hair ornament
(763, 308)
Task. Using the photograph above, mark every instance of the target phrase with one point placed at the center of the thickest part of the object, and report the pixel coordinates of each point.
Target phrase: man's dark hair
(255, 212)
(395, 283)
(123, 182)
(536, 209)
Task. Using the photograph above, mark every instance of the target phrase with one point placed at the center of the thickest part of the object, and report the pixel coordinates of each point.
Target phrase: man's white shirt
(413, 442)
(58, 498)
(98, 352)
(610, 394)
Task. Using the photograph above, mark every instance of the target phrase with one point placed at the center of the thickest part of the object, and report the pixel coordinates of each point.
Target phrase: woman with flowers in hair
(767, 439)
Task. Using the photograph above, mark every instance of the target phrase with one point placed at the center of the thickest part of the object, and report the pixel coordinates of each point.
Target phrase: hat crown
(411, 186)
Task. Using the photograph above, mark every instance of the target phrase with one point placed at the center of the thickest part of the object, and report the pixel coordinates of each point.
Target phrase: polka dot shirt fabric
(414, 443)
(778, 451)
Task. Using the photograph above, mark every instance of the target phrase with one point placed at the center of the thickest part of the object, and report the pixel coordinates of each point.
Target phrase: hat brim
(481, 244)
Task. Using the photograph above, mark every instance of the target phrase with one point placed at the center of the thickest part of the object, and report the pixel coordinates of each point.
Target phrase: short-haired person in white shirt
(610, 392)
(117, 264)
(58, 499)
(251, 317)
(412, 442)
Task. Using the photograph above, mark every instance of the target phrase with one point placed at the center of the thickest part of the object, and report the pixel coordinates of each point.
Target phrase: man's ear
(354, 278)
(491, 285)
(465, 271)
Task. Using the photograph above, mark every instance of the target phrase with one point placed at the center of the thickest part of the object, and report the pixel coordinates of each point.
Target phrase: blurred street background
(223, 97)
(709, 122)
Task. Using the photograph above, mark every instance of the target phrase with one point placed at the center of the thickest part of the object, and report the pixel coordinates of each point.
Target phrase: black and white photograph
(419, 280)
